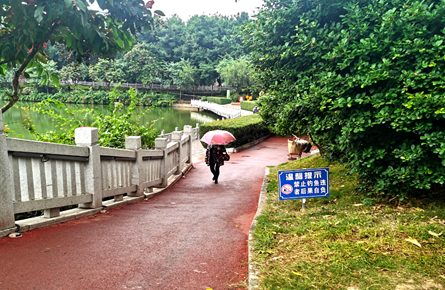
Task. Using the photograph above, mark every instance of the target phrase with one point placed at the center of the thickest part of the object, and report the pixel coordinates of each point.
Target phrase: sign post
(303, 184)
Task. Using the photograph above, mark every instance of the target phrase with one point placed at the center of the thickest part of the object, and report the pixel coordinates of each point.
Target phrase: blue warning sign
(303, 183)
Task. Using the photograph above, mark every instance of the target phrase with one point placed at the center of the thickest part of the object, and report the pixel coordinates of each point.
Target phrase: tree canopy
(26, 27)
(363, 78)
(203, 40)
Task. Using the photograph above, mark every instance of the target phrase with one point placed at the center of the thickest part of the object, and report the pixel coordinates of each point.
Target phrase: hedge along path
(192, 236)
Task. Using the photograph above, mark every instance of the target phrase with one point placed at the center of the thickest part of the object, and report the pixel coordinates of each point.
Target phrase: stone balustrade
(46, 176)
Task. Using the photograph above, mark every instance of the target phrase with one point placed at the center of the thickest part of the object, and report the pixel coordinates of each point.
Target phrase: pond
(167, 118)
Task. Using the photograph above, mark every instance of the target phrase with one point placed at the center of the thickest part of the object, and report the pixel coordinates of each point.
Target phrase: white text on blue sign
(303, 183)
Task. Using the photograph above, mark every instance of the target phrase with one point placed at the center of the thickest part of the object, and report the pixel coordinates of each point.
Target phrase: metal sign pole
(304, 205)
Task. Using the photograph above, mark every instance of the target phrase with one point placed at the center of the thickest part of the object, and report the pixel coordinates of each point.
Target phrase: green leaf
(68, 3)
(159, 12)
(41, 58)
(81, 5)
(55, 80)
(38, 13)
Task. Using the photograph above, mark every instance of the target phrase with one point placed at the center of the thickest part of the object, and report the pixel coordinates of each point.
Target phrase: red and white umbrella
(218, 137)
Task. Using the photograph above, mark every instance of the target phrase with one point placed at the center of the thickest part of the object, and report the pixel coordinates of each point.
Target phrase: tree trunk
(318, 146)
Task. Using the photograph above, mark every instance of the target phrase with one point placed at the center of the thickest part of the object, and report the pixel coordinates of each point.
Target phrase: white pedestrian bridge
(220, 110)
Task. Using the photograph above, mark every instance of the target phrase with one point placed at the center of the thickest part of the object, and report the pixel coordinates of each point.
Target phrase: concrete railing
(152, 86)
(45, 176)
(217, 109)
(194, 133)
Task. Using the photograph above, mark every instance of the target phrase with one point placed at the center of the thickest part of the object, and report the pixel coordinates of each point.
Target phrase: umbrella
(218, 137)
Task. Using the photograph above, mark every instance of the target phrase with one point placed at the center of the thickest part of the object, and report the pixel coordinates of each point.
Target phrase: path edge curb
(253, 268)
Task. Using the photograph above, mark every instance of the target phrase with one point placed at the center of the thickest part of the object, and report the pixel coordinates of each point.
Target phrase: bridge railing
(44, 176)
(217, 109)
(152, 86)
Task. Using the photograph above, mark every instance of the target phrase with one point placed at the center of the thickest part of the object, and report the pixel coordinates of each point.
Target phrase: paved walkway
(191, 236)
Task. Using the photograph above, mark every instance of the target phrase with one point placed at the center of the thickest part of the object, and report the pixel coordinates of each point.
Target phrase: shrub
(364, 79)
(248, 106)
(245, 129)
(113, 128)
(204, 99)
(91, 96)
(221, 101)
(234, 96)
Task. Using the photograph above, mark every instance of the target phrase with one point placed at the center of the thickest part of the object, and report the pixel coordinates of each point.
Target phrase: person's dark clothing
(214, 159)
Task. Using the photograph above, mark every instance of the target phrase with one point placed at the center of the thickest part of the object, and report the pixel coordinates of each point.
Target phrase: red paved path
(191, 236)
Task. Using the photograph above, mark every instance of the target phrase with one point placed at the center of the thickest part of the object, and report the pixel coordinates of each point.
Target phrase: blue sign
(303, 183)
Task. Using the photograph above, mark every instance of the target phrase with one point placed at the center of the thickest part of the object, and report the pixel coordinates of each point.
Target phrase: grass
(346, 241)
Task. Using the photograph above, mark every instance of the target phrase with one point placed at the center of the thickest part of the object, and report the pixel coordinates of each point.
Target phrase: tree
(203, 40)
(26, 25)
(74, 72)
(364, 79)
(50, 66)
(140, 65)
(236, 72)
(108, 71)
(182, 74)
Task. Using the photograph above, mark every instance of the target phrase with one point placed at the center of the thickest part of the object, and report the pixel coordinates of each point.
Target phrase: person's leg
(216, 174)
(212, 169)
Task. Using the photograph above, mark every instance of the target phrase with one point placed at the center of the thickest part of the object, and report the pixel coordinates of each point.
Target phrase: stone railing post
(161, 144)
(89, 137)
(7, 219)
(197, 131)
(137, 176)
(188, 131)
(176, 137)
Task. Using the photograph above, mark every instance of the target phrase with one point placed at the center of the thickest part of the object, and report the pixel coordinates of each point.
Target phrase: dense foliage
(203, 40)
(221, 101)
(248, 105)
(90, 96)
(27, 26)
(245, 129)
(237, 73)
(364, 79)
(113, 128)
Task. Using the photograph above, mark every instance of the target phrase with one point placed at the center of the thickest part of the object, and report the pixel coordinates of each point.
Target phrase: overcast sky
(187, 8)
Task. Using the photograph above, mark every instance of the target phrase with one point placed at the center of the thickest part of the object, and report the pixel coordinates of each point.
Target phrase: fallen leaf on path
(414, 241)
(434, 234)
(358, 204)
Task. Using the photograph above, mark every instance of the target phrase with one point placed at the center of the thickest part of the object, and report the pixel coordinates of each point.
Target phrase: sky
(187, 8)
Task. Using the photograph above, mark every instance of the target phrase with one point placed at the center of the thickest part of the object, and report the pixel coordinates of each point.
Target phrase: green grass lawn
(348, 242)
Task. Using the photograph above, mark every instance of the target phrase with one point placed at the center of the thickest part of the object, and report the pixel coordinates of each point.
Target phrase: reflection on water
(167, 118)
(201, 118)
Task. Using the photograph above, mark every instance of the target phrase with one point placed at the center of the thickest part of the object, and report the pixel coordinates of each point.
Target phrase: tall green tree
(140, 66)
(26, 25)
(109, 71)
(238, 73)
(74, 72)
(203, 40)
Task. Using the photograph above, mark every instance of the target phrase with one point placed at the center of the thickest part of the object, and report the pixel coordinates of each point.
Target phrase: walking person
(216, 152)
(215, 156)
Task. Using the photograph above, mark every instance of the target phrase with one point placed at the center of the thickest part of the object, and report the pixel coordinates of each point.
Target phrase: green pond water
(167, 118)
